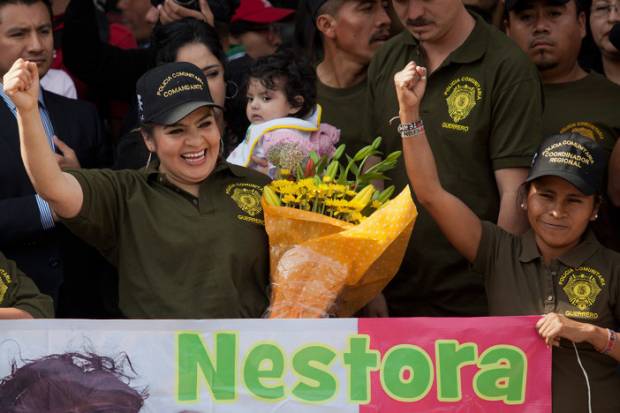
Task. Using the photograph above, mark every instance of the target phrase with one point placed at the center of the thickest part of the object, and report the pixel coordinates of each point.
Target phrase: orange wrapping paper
(321, 265)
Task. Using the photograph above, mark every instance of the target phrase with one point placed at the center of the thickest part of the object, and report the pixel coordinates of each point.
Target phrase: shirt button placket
(550, 291)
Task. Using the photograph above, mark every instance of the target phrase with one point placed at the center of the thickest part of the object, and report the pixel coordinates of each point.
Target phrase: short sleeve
(516, 115)
(19, 291)
(486, 258)
(98, 220)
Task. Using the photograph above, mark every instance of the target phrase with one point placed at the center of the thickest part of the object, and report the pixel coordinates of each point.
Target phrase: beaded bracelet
(611, 341)
(408, 130)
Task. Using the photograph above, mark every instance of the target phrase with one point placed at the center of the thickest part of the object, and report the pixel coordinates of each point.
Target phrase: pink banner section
(456, 365)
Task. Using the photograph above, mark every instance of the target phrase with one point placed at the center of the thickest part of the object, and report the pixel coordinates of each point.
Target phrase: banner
(495, 364)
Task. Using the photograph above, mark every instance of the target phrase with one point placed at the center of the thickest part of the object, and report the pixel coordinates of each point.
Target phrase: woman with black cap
(186, 233)
(557, 268)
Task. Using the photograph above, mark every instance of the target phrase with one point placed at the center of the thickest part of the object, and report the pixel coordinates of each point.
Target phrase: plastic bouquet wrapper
(334, 242)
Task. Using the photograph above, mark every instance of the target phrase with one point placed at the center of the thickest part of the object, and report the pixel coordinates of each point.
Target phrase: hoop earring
(148, 160)
(229, 85)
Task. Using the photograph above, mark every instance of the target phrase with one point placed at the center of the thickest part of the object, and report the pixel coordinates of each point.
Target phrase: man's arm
(613, 183)
(512, 217)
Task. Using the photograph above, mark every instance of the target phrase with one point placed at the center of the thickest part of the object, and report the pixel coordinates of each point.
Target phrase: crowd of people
(132, 201)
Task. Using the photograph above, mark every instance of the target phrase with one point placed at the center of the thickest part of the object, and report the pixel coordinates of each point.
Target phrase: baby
(282, 109)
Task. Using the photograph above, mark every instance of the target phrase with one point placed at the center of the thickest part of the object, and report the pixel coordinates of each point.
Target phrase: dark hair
(47, 3)
(308, 39)
(241, 26)
(69, 378)
(167, 39)
(293, 73)
(580, 6)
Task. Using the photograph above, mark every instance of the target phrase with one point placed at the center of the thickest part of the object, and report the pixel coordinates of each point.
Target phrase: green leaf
(367, 177)
(363, 153)
(376, 142)
(313, 155)
(339, 152)
(393, 156)
(299, 172)
(386, 194)
(320, 166)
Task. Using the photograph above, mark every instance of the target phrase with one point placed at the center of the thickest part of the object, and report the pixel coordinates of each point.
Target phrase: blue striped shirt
(47, 221)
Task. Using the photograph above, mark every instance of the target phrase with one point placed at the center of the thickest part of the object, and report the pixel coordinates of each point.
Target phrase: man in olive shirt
(344, 35)
(482, 114)
(550, 32)
(19, 296)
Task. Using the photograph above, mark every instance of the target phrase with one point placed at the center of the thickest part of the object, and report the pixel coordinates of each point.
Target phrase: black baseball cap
(573, 157)
(168, 93)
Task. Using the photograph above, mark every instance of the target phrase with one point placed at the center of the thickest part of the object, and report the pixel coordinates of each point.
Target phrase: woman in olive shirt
(19, 296)
(558, 268)
(186, 233)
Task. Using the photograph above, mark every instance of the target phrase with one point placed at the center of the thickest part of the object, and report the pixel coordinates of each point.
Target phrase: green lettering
(360, 361)
(450, 357)
(255, 372)
(316, 384)
(193, 357)
(406, 359)
(502, 375)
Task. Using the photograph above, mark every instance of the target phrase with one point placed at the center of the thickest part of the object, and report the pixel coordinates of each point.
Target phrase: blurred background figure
(605, 26)
(261, 28)
(134, 14)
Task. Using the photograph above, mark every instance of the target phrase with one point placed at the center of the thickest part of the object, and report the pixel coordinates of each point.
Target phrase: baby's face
(266, 104)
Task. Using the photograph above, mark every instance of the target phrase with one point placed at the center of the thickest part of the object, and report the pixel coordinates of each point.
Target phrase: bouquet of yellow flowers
(335, 242)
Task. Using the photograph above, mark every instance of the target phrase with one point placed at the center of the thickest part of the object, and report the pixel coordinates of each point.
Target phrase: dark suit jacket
(44, 255)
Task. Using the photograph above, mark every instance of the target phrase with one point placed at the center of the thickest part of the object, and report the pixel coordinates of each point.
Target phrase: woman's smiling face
(558, 213)
(188, 150)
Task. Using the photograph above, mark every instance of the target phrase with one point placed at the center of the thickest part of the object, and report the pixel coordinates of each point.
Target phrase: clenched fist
(410, 85)
(21, 84)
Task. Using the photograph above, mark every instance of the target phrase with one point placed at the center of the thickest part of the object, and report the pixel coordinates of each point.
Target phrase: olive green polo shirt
(583, 285)
(343, 108)
(179, 256)
(19, 291)
(589, 106)
(482, 112)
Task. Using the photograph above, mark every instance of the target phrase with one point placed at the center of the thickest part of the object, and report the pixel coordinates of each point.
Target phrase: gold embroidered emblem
(461, 95)
(587, 129)
(248, 200)
(582, 286)
(461, 101)
(247, 197)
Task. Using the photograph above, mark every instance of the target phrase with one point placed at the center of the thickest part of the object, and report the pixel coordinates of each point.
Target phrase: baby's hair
(61, 380)
(292, 73)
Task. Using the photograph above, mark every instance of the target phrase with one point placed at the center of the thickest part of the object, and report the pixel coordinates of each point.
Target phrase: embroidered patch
(5, 280)
(582, 287)
(247, 197)
(587, 129)
(462, 94)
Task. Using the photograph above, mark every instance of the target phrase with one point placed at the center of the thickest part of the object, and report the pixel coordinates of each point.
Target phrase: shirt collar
(472, 49)
(10, 103)
(152, 172)
(529, 249)
(574, 258)
(582, 252)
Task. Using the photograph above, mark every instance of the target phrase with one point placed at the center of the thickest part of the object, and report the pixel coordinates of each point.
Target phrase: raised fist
(410, 85)
(21, 84)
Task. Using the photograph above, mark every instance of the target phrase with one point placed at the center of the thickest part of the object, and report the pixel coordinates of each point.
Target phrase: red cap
(260, 11)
